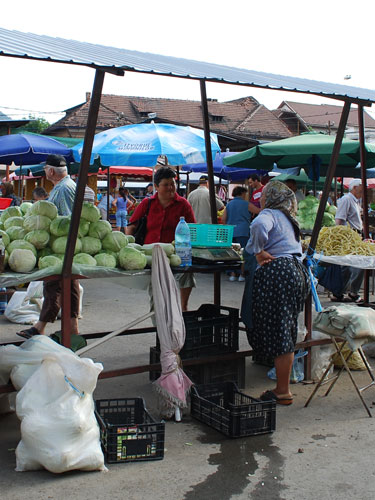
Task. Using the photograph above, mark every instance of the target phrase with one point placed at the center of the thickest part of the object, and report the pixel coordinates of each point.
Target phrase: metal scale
(211, 255)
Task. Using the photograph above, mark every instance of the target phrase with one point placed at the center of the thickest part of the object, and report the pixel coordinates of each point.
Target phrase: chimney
(88, 96)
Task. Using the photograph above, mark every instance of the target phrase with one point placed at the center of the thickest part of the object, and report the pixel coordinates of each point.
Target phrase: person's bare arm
(263, 258)
(340, 222)
(130, 228)
(253, 209)
(224, 216)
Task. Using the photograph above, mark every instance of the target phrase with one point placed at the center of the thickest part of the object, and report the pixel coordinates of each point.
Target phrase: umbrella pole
(108, 191)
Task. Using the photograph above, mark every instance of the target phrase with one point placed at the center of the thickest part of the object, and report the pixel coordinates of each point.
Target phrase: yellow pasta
(342, 240)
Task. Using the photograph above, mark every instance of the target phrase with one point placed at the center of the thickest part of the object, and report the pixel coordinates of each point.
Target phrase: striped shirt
(62, 195)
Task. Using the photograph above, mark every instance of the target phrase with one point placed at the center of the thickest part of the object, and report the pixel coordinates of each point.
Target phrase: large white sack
(58, 426)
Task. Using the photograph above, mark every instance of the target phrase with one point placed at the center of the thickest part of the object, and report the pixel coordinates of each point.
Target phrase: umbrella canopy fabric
(173, 385)
(302, 180)
(28, 149)
(369, 182)
(301, 151)
(142, 144)
(221, 170)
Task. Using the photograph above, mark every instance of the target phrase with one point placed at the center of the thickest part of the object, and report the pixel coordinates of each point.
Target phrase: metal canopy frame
(37, 47)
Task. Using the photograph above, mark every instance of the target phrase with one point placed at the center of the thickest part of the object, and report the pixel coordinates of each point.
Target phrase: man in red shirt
(257, 187)
(166, 208)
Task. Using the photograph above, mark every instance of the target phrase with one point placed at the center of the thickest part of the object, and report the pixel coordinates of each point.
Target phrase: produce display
(35, 236)
(307, 210)
(342, 240)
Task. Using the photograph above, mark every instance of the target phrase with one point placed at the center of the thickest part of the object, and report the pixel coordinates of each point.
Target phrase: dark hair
(291, 181)
(56, 161)
(40, 193)
(254, 177)
(8, 186)
(121, 193)
(164, 173)
(238, 191)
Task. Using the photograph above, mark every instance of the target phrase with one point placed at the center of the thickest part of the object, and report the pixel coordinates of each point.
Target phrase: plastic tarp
(360, 261)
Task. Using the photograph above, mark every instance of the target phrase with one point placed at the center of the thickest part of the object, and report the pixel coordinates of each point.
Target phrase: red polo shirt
(162, 222)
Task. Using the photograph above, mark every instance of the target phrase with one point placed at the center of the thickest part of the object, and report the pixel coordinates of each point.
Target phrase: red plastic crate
(5, 203)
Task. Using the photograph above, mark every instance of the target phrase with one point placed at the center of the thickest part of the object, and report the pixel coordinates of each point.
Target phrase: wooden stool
(340, 343)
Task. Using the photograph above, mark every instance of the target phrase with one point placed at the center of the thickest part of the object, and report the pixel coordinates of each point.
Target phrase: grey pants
(352, 278)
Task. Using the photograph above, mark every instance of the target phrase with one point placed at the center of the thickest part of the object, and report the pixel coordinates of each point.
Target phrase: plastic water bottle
(183, 243)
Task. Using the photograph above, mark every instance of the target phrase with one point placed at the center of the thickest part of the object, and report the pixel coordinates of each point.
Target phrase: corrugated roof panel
(32, 46)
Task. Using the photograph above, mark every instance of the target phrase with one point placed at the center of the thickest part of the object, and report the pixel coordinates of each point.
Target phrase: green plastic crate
(211, 235)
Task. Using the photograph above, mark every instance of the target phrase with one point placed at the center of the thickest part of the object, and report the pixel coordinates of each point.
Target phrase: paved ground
(325, 450)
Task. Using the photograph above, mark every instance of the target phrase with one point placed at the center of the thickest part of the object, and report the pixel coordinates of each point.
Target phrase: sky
(322, 40)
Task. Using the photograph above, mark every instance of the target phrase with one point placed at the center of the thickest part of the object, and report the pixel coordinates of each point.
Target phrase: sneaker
(241, 278)
(232, 278)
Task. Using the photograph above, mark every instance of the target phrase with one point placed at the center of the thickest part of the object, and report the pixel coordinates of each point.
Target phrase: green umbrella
(302, 151)
(302, 180)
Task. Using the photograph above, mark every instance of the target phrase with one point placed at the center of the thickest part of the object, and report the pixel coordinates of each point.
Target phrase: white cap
(354, 183)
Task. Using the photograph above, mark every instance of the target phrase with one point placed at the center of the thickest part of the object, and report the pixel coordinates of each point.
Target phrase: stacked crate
(211, 330)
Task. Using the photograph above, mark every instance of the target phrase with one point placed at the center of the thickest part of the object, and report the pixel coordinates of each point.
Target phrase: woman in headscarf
(281, 284)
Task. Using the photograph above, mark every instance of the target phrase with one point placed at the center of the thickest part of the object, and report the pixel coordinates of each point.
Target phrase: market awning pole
(77, 207)
(319, 218)
(210, 173)
(366, 288)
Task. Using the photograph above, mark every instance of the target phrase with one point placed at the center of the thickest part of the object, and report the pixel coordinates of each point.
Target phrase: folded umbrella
(173, 385)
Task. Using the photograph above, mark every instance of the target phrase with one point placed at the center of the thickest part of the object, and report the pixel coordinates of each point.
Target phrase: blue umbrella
(142, 144)
(25, 149)
(221, 170)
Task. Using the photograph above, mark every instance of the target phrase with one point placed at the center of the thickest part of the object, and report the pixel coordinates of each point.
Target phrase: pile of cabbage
(35, 236)
(307, 210)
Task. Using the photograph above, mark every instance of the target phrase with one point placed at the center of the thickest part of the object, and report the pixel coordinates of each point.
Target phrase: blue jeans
(121, 218)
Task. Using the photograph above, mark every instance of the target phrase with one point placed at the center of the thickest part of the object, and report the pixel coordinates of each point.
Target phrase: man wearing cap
(349, 213)
(62, 195)
(199, 199)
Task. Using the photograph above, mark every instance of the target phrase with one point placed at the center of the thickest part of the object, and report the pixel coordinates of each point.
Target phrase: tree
(36, 125)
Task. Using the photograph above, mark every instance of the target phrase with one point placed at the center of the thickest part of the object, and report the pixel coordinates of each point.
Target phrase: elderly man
(199, 199)
(62, 195)
(349, 213)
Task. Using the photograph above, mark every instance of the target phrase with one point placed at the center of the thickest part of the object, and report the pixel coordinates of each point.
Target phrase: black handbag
(141, 230)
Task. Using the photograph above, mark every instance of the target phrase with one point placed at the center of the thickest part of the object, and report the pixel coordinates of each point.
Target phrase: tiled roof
(244, 117)
(318, 115)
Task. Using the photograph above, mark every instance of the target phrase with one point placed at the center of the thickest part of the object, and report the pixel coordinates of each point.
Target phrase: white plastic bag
(320, 356)
(21, 310)
(55, 405)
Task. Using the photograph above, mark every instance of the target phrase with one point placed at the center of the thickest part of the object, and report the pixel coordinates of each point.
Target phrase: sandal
(356, 299)
(28, 333)
(342, 298)
(271, 396)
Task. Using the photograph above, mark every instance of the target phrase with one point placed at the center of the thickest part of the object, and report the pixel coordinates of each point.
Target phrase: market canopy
(303, 180)
(305, 150)
(117, 60)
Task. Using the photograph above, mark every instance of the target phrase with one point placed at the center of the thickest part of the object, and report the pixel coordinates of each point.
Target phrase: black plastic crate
(221, 371)
(128, 432)
(210, 330)
(231, 412)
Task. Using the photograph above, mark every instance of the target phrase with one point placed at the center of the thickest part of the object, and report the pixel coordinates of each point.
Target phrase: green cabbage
(60, 225)
(130, 259)
(39, 238)
(50, 261)
(33, 222)
(91, 245)
(43, 252)
(5, 237)
(328, 219)
(90, 212)
(60, 256)
(109, 252)
(59, 245)
(83, 229)
(21, 244)
(114, 241)
(100, 229)
(85, 259)
(13, 221)
(21, 260)
(25, 207)
(10, 212)
(130, 238)
(16, 233)
(174, 260)
(43, 207)
(332, 210)
(105, 260)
